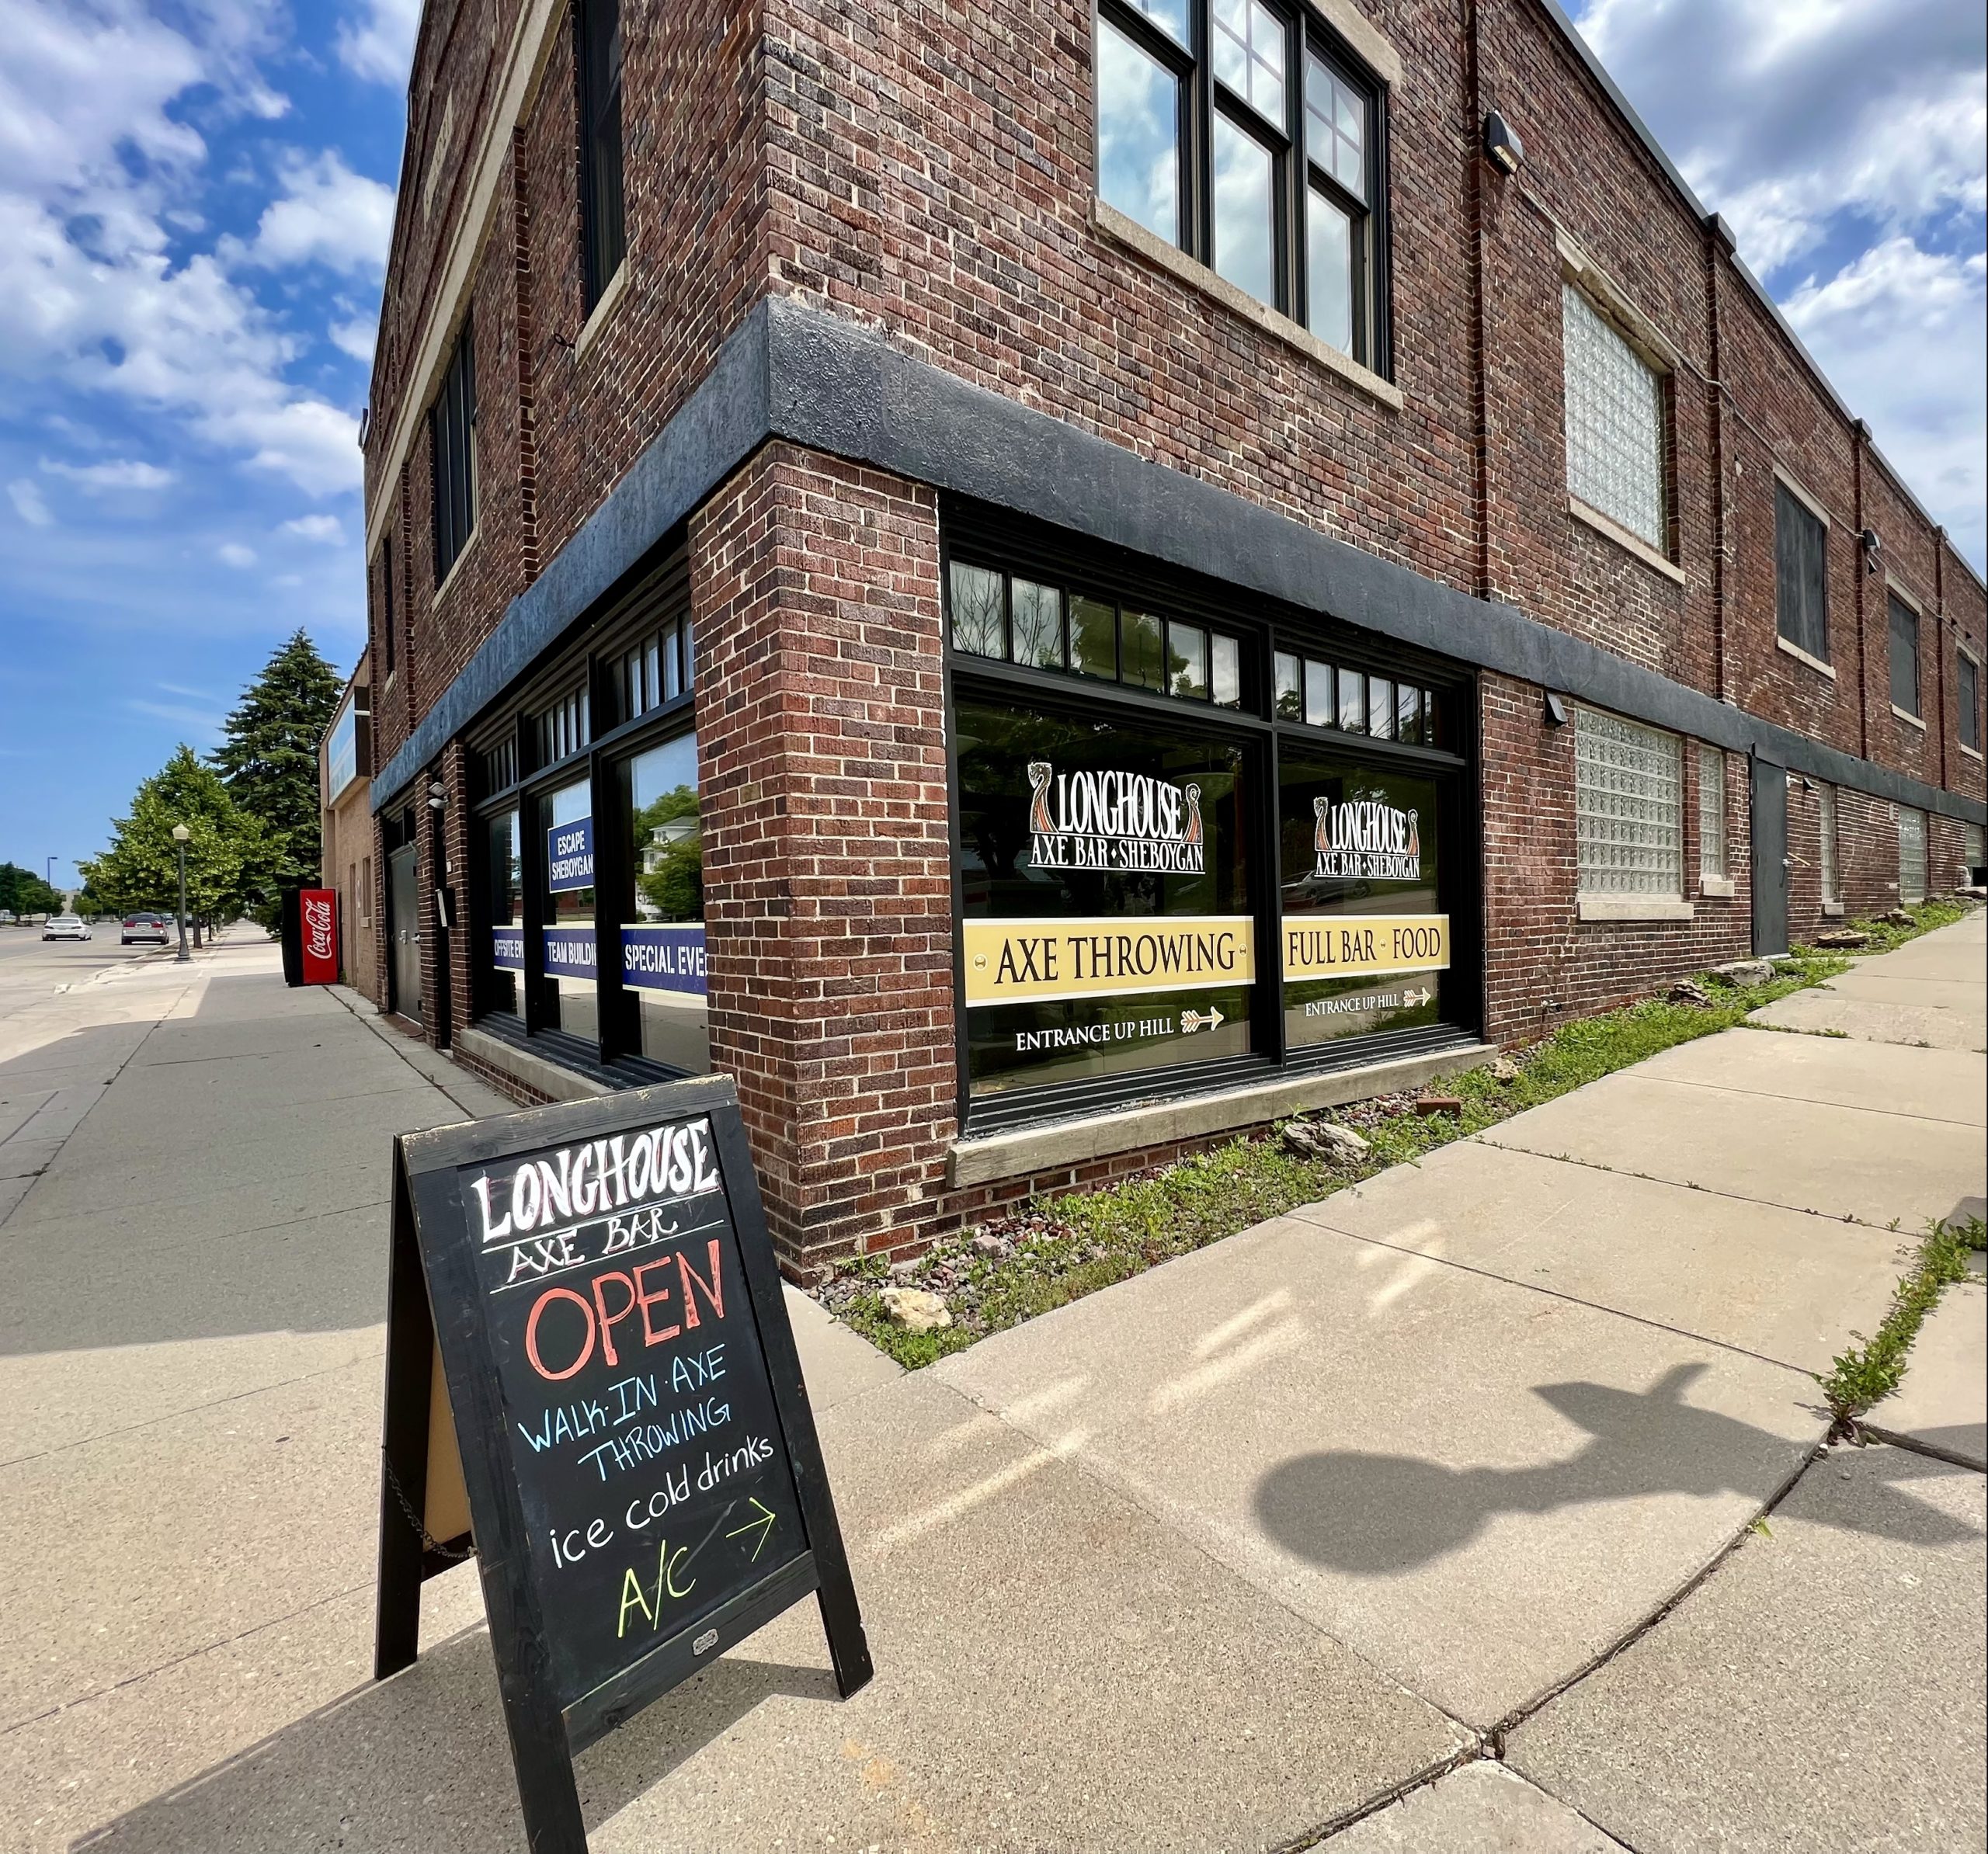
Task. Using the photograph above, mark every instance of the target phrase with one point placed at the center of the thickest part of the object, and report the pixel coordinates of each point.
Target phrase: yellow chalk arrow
(762, 1526)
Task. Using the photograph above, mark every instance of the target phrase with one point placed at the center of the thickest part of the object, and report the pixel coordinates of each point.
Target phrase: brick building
(1047, 582)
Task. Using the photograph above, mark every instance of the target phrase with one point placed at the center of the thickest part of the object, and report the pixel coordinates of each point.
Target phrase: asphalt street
(32, 968)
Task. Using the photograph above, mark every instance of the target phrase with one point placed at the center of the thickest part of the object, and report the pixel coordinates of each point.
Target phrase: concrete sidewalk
(1225, 1557)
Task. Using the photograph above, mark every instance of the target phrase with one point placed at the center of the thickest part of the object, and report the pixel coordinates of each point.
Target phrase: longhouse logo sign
(1367, 841)
(1112, 819)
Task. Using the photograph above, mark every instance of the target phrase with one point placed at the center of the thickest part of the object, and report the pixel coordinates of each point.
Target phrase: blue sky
(195, 201)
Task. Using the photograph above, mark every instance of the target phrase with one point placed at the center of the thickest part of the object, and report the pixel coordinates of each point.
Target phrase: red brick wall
(828, 891)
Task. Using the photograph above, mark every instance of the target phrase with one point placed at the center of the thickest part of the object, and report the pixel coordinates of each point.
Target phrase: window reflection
(662, 932)
(1139, 112)
(1245, 242)
(571, 1003)
(506, 898)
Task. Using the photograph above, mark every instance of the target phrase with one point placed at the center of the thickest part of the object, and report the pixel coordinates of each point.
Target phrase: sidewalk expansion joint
(1769, 1094)
(373, 1025)
(1912, 1444)
(1686, 1184)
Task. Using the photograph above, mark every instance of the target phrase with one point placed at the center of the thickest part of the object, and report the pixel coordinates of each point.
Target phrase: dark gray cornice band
(804, 374)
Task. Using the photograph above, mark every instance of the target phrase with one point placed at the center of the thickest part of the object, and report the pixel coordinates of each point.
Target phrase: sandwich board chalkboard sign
(592, 1383)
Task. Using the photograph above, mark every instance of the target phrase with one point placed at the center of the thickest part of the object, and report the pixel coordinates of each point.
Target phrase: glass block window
(1614, 422)
(1911, 855)
(1711, 811)
(1970, 848)
(1629, 807)
(1008, 619)
(1826, 824)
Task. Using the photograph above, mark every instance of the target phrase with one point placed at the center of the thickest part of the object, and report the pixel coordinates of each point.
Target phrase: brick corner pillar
(828, 888)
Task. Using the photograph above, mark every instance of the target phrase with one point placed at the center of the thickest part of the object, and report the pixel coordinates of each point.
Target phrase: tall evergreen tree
(268, 759)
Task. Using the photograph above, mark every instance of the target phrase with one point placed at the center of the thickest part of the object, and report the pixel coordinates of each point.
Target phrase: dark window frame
(1801, 610)
(1204, 96)
(389, 644)
(598, 63)
(1015, 549)
(1967, 697)
(452, 454)
(1900, 620)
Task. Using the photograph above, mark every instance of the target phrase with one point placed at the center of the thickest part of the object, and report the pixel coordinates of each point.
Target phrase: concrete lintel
(550, 1078)
(1029, 1150)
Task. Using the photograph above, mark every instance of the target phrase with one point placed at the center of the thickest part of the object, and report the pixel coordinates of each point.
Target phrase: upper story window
(564, 726)
(452, 432)
(1904, 622)
(1800, 575)
(1967, 688)
(1280, 195)
(1629, 807)
(604, 237)
(1614, 415)
(388, 644)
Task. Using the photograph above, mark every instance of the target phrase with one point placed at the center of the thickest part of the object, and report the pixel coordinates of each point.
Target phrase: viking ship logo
(1040, 773)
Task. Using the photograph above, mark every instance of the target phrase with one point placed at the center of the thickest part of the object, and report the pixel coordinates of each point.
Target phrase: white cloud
(232, 553)
(118, 473)
(380, 45)
(92, 162)
(356, 337)
(29, 503)
(1903, 333)
(325, 215)
(324, 528)
(1784, 113)
(200, 719)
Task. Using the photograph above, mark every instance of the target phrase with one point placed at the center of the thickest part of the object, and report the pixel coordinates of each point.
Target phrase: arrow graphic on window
(763, 1526)
(1191, 1021)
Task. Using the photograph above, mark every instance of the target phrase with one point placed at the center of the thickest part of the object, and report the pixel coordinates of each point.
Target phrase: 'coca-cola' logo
(318, 927)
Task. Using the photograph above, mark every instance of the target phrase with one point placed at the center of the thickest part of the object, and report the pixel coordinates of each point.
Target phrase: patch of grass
(1059, 1248)
(1866, 1374)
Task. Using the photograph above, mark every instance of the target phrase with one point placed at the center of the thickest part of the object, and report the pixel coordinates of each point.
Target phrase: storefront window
(570, 998)
(1105, 887)
(1366, 947)
(662, 923)
(507, 933)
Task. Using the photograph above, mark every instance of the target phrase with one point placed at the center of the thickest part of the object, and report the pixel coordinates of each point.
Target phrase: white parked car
(65, 927)
(146, 926)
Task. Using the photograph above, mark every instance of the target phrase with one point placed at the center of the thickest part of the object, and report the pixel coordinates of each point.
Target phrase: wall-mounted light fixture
(1556, 710)
(1873, 548)
(438, 795)
(1502, 144)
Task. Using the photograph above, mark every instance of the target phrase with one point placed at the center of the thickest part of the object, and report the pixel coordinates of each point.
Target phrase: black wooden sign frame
(437, 1296)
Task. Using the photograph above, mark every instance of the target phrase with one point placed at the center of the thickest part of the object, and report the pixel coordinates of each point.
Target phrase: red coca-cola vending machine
(311, 936)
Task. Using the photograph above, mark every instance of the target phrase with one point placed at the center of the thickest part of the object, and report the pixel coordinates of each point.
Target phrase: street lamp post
(180, 834)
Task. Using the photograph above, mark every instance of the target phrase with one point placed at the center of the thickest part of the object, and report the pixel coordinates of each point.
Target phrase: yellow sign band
(1361, 945)
(1014, 962)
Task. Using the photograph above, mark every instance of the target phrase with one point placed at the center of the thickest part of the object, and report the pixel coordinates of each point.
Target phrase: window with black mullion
(599, 70)
(1243, 134)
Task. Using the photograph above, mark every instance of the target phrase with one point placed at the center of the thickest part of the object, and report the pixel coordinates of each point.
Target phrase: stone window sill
(1715, 888)
(1614, 531)
(1116, 225)
(1633, 908)
(1833, 910)
(1802, 656)
(602, 312)
(456, 566)
(1972, 752)
(1906, 716)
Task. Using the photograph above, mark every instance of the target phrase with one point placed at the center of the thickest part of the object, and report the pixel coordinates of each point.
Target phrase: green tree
(671, 876)
(268, 760)
(22, 891)
(225, 849)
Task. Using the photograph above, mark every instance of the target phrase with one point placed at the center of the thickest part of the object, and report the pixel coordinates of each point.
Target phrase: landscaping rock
(1842, 939)
(904, 1271)
(915, 1310)
(1688, 991)
(991, 1246)
(1744, 971)
(1504, 1069)
(1428, 1104)
(1322, 1140)
(1897, 917)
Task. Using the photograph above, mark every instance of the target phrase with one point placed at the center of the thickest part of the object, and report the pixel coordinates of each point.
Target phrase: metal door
(404, 933)
(1770, 811)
